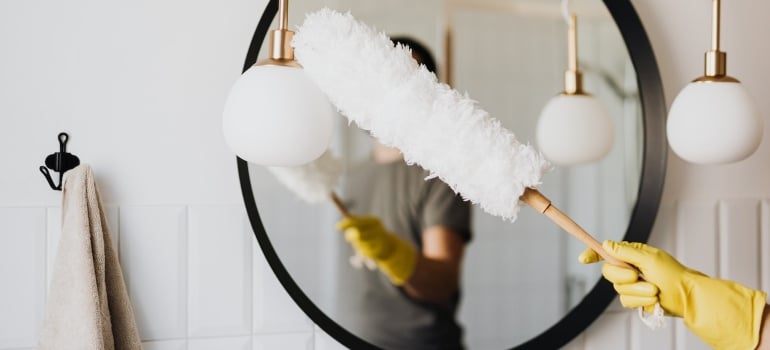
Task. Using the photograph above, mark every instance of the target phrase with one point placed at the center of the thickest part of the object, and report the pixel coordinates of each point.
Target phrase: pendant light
(713, 120)
(574, 127)
(275, 115)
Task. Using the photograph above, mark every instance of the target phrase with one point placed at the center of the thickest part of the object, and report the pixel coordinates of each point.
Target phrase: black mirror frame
(642, 217)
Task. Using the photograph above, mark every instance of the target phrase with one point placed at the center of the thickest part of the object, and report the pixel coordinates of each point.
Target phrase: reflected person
(415, 230)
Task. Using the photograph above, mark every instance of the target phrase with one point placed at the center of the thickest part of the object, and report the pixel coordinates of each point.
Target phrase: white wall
(140, 85)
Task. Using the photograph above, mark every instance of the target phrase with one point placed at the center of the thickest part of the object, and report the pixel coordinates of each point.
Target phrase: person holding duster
(724, 314)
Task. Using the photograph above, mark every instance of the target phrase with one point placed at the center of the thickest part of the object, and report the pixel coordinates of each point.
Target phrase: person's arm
(724, 314)
(430, 275)
(764, 335)
(436, 275)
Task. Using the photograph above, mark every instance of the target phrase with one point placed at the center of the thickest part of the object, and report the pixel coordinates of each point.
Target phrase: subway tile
(686, 340)
(232, 343)
(22, 272)
(220, 263)
(153, 255)
(325, 342)
(293, 341)
(663, 233)
(643, 338)
(274, 310)
(53, 236)
(696, 236)
(739, 241)
(696, 247)
(165, 345)
(609, 331)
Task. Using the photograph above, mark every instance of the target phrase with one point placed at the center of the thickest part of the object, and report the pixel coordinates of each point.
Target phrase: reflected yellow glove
(724, 314)
(394, 257)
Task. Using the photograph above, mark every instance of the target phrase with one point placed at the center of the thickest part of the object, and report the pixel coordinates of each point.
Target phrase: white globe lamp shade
(574, 129)
(276, 116)
(714, 123)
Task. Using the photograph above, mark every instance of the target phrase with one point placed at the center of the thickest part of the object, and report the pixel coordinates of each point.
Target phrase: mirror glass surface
(517, 278)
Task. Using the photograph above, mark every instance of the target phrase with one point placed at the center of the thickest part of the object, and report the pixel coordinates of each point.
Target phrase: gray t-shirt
(375, 309)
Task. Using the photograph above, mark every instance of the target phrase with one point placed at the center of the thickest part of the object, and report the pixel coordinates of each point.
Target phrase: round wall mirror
(521, 285)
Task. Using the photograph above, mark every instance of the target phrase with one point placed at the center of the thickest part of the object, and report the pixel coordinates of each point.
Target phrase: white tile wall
(297, 341)
(739, 238)
(53, 234)
(697, 246)
(220, 263)
(22, 275)
(199, 281)
(154, 257)
(642, 338)
(165, 345)
(274, 311)
(324, 342)
(611, 331)
(238, 343)
(696, 234)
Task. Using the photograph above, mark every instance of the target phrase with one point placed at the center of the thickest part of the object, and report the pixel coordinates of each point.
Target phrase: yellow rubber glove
(724, 314)
(393, 256)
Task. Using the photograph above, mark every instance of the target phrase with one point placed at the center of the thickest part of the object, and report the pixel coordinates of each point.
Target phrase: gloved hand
(724, 314)
(394, 257)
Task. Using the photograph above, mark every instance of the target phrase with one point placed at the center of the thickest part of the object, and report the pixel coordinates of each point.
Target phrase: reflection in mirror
(516, 279)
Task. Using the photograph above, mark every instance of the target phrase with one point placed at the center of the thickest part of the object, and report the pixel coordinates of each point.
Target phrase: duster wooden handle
(340, 206)
(539, 202)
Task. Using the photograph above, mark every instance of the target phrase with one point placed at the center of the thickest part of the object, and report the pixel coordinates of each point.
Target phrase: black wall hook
(60, 161)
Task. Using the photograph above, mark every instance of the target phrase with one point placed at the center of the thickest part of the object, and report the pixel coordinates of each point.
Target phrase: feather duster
(314, 181)
(383, 90)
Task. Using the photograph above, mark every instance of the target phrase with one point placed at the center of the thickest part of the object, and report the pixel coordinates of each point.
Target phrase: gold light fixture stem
(573, 78)
(572, 43)
(281, 52)
(715, 25)
(448, 43)
(716, 60)
(283, 14)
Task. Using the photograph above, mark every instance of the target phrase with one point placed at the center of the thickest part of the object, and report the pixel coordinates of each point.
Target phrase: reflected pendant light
(574, 127)
(275, 115)
(713, 120)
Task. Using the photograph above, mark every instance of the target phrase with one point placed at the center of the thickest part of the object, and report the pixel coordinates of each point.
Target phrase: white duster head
(314, 181)
(383, 90)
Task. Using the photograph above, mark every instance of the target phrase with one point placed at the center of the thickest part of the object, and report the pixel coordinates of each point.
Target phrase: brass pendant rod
(573, 78)
(715, 25)
(572, 43)
(283, 14)
(281, 53)
(448, 44)
(716, 60)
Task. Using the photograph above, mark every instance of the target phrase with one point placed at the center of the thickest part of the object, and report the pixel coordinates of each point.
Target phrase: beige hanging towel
(88, 306)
